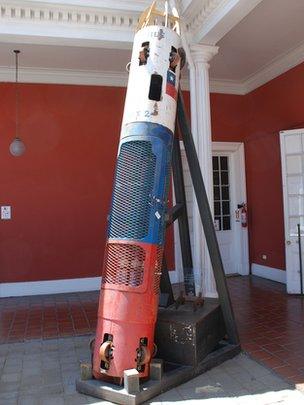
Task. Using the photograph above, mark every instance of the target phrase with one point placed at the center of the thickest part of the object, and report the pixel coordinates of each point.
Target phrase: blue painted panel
(140, 194)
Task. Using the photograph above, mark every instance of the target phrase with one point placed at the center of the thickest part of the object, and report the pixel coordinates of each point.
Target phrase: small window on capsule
(155, 90)
(174, 59)
(144, 53)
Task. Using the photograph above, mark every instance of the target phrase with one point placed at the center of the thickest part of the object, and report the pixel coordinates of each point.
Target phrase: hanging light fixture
(17, 147)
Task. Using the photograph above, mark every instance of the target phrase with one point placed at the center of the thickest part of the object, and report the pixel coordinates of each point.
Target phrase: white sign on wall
(6, 212)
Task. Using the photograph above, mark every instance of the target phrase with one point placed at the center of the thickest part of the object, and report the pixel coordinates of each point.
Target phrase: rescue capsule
(133, 255)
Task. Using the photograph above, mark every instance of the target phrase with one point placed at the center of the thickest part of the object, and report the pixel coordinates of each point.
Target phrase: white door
(229, 191)
(292, 158)
(223, 209)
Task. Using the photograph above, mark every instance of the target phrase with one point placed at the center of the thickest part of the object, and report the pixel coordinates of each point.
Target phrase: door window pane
(216, 193)
(224, 178)
(224, 162)
(225, 192)
(221, 192)
(216, 178)
(217, 208)
(226, 223)
(215, 163)
(226, 207)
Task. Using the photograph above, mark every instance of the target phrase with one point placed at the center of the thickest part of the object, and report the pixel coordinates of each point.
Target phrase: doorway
(292, 159)
(229, 191)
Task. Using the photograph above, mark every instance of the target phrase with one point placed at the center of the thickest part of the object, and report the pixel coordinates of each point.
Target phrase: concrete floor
(43, 372)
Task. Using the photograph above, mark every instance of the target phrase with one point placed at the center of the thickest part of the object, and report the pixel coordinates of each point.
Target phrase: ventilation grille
(124, 265)
(158, 269)
(132, 191)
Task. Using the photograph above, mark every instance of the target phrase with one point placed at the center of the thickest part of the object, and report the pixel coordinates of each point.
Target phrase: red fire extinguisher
(244, 215)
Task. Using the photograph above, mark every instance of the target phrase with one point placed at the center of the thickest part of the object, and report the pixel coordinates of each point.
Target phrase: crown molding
(48, 23)
(227, 87)
(275, 68)
(68, 76)
(135, 5)
(97, 78)
(102, 20)
(119, 79)
(65, 76)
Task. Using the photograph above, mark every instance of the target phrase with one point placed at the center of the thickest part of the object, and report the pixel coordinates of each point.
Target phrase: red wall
(256, 120)
(60, 189)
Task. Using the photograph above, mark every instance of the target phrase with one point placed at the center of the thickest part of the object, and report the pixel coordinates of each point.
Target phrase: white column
(201, 129)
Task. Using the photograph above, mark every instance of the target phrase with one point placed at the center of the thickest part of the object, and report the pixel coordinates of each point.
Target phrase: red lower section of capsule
(127, 309)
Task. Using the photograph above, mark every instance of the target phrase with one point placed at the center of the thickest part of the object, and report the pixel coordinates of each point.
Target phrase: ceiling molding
(103, 20)
(135, 5)
(267, 73)
(119, 79)
(98, 78)
(227, 87)
(67, 76)
(45, 22)
(275, 68)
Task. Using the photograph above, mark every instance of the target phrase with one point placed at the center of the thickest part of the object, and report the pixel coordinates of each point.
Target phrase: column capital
(203, 53)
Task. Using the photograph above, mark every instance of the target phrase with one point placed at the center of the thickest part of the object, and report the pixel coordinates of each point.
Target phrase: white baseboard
(270, 273)
(49, 287)
(58, 286)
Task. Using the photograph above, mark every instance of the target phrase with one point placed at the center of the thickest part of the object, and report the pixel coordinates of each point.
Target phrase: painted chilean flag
(170, 87)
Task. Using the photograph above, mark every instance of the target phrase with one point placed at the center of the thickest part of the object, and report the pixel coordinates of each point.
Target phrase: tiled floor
(47, 316)
(43, 372)
(270, 322)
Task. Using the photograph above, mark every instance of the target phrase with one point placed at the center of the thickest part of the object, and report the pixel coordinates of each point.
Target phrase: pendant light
(17, 147)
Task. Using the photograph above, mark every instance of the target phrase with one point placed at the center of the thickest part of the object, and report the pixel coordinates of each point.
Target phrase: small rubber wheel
(105, 351)
(145, 355)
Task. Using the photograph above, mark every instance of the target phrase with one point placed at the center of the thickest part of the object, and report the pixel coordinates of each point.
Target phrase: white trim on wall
(58, 286)
(72, 77)
(270, 273)
(49, 287)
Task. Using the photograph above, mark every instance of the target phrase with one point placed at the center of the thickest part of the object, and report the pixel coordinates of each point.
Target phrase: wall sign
(6, 212)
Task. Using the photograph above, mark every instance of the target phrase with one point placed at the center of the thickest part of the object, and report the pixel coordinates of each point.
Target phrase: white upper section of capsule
(138, 106)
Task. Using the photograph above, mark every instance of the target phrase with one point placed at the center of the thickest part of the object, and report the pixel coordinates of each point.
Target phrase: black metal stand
(300, 258)
(180, 212)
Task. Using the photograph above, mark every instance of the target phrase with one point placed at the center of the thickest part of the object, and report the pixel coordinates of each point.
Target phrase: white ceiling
(271, 30)
(65, 57)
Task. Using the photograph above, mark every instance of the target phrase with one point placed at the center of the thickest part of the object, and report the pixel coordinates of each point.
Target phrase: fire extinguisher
(244, 215)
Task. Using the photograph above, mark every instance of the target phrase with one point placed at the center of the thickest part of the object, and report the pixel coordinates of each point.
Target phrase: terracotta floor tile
(272, 347)
(270, 322)
(287, 371)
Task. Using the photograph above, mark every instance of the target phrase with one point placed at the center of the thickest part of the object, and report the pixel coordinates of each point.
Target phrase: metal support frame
(183, 224)
(179, 211)
(300, 258)
(207, 222)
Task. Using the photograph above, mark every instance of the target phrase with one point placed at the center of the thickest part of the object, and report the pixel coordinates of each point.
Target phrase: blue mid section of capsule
(141, 184)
